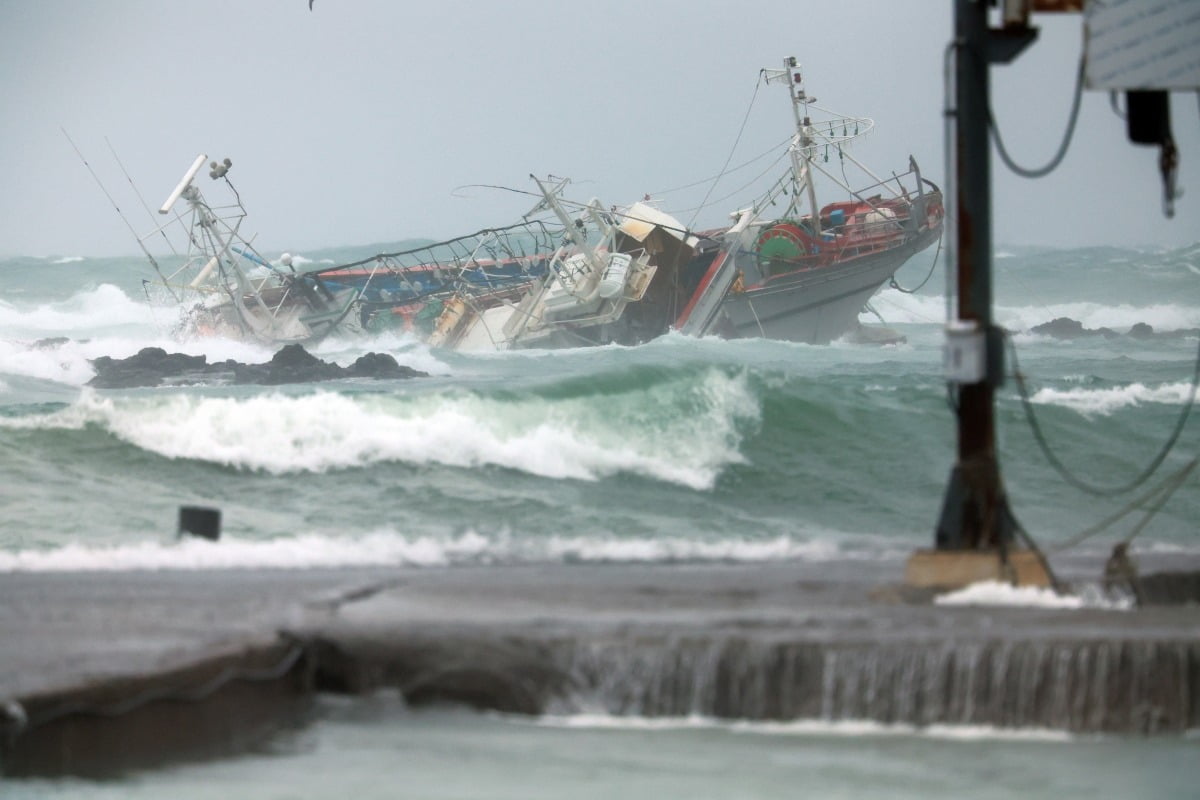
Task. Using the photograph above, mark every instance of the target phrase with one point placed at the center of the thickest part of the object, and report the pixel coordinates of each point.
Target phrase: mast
(550, 200)
(802, 149)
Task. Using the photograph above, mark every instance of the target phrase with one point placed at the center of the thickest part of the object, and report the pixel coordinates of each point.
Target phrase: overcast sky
(354, 123)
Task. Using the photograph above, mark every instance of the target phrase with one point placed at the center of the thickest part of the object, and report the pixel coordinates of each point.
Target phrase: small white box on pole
(965, 352)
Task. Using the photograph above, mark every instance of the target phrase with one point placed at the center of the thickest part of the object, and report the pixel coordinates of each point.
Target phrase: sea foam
(850, 728)
(389, 548)
(105, 306)
(995, 593)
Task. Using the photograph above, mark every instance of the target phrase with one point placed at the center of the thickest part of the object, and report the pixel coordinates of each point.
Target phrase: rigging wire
(743, 165)
(1053, 163)
(745, 118)
(140, 198)
(120, 213)
(738, 190)
(1067, 475)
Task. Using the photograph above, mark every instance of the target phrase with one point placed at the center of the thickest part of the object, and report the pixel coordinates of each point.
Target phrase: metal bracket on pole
(1005, 44)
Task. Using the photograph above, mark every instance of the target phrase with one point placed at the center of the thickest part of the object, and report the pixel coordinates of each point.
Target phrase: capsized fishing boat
(609, 274)
(804, 275)
(619, 276)
(406, 289)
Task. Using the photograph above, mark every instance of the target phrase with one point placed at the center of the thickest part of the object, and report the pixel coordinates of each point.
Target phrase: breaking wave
(105, 306)
(683, 429)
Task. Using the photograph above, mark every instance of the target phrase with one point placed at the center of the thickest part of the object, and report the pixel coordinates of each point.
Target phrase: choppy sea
(680, 450)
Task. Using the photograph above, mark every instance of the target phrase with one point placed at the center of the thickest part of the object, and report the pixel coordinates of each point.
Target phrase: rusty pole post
(975, 513)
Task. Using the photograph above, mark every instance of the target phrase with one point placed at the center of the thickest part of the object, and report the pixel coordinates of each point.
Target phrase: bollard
(200, 521)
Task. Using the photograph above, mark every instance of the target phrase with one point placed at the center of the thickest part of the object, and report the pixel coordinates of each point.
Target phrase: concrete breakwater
(755, 643)
(1079, 686)
(102, 672)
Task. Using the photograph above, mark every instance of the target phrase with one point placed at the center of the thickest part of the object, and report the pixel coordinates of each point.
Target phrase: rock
(153, 366)
(1060, 328)
(147, 368)
(380, 365)
(1141, 331)
(1067, 328)
(294, 364)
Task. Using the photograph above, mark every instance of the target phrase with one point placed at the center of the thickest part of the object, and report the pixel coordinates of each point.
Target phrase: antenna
(141, 199)
(120, 213)
(183, 184)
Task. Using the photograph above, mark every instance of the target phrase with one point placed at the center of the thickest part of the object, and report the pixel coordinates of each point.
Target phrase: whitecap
(1108, 400)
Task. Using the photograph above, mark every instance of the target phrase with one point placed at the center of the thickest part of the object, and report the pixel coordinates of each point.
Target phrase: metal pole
(975, 513)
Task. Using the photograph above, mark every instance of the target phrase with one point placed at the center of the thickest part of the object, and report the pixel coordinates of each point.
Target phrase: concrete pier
(103, 672)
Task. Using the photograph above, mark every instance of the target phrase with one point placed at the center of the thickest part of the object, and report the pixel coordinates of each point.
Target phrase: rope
(932, 267)
(1050, 166)
(1067, 475)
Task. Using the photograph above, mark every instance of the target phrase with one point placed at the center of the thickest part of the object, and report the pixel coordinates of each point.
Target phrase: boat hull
(817, 306)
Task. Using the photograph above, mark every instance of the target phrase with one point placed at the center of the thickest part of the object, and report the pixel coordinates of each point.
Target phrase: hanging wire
(1116, 106)
(745, 118)
(1050, 166)
(1152, 501)
(893, 284)
(1067, 475)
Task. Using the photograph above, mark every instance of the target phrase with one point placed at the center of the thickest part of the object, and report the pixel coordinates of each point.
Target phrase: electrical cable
(1157, 497)
(1050, 166)
(1067, 475)
(1116, 107)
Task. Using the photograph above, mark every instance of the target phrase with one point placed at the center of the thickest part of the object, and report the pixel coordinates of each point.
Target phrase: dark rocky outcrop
(1067, 328)
(153, 366)
(149, 367)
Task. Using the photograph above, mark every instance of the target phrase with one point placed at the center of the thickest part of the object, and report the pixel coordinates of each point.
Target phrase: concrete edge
(213, 705)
